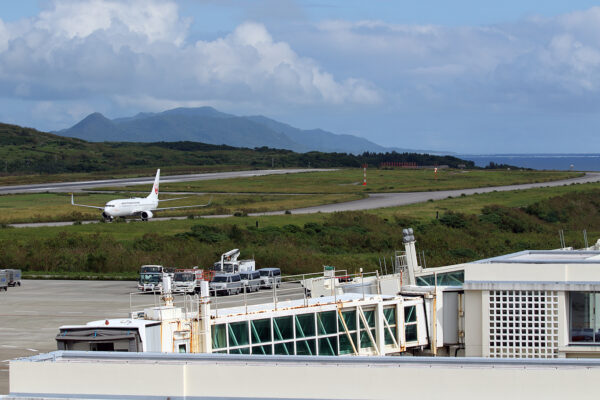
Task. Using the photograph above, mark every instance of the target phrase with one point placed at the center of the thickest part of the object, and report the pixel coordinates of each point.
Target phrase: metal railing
(290, 288)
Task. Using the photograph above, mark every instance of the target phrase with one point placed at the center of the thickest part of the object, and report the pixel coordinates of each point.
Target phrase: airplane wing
(84, 205)
(175, 208)
(177, 198)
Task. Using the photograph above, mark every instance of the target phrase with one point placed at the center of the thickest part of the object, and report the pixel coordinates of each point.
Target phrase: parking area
(31, 314)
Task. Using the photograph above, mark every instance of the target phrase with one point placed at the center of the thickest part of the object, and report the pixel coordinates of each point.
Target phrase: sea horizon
(548, 161)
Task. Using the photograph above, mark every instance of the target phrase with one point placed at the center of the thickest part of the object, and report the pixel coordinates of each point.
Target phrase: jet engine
(107, 217)
(146, 215)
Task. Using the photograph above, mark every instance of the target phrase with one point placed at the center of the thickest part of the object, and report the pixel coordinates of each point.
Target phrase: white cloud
(139, 48)
(154, 20)
(537, 61)
(3, 37)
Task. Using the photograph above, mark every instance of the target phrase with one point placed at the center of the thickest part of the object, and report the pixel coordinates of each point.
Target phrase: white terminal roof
(563, 270)
(292, 304)
(547, 257)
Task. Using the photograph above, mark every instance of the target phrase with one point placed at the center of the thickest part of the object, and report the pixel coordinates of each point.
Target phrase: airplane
(137, 206)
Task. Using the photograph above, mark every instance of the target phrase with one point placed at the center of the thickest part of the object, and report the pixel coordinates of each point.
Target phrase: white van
(226, 284)
(251, 280)
(270, 277)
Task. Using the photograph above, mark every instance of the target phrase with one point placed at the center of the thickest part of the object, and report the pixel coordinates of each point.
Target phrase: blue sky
(463, 76)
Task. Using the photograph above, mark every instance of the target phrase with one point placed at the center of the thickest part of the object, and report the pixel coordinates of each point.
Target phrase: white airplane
(136, 206)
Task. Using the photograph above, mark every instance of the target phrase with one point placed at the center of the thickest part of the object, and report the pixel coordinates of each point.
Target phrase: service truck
(188, 281)
(229, 263)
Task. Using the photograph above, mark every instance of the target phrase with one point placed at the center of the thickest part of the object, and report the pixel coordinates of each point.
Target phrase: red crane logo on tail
(155, 190)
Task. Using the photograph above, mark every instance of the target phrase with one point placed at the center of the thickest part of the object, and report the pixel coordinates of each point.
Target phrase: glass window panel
(261, 330)
(390, 315)
(306, 347)
(410, 314)
(365, 341)
(284, 348)
(410, 331)
(219, 338)
(283, 328)
(243, 350)
(328, 346)
(454, 278)
(370, 317)
(345, 345)
(238, 334)
(262, 350)
(349, 318)
(305, 325)
(326, 322)
(582, 317)
(388, 337)
(425, 280)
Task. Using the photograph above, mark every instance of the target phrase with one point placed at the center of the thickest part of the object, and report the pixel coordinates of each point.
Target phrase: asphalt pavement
(30, 315)
(75, 186)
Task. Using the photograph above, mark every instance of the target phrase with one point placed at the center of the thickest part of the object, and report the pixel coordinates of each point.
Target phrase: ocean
(563, 162)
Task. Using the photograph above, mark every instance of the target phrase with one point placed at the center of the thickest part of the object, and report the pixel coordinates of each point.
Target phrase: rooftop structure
(86, 375)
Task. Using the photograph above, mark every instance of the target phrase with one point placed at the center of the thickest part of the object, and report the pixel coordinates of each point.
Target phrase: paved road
(30, 315)
(74, 186)
(375, 200)
(381, 200)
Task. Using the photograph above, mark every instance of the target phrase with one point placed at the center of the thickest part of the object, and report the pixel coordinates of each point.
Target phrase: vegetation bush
(348, 240)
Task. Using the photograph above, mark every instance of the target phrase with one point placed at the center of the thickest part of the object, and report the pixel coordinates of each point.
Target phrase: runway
(375, 200)
(149, 180)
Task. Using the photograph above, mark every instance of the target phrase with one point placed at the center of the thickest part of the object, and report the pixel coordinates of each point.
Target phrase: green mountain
(207, 125)
(28, 151)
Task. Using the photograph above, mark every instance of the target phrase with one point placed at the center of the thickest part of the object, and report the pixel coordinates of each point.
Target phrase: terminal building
(527, 311)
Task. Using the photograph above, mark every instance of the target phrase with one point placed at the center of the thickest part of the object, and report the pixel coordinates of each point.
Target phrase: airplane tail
(154, 193)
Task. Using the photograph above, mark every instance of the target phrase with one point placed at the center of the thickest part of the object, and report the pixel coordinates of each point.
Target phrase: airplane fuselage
(129, 207)
(136, 206)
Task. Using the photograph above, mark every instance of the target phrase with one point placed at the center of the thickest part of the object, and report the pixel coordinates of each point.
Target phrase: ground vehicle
(226, 284)
(229, 263)
(270, 277)
(187, 280)
(3, 280)
(150, 282)
(152, 269)
(251, 280)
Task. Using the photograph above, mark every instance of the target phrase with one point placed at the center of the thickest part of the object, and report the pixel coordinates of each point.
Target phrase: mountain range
(207, 125)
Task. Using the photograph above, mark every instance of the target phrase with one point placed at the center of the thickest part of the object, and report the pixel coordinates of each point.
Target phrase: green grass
(481, 226)
(426, 211)
(48, 207)
(473, 204)
(350, 181)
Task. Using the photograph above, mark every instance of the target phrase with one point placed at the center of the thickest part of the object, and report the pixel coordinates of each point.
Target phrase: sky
(461, 76)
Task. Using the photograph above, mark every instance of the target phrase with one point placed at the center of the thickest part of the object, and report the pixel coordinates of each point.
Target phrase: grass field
(47, 207)
(422, 212)
(473, 204)
(304, 243)
(350, 181)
